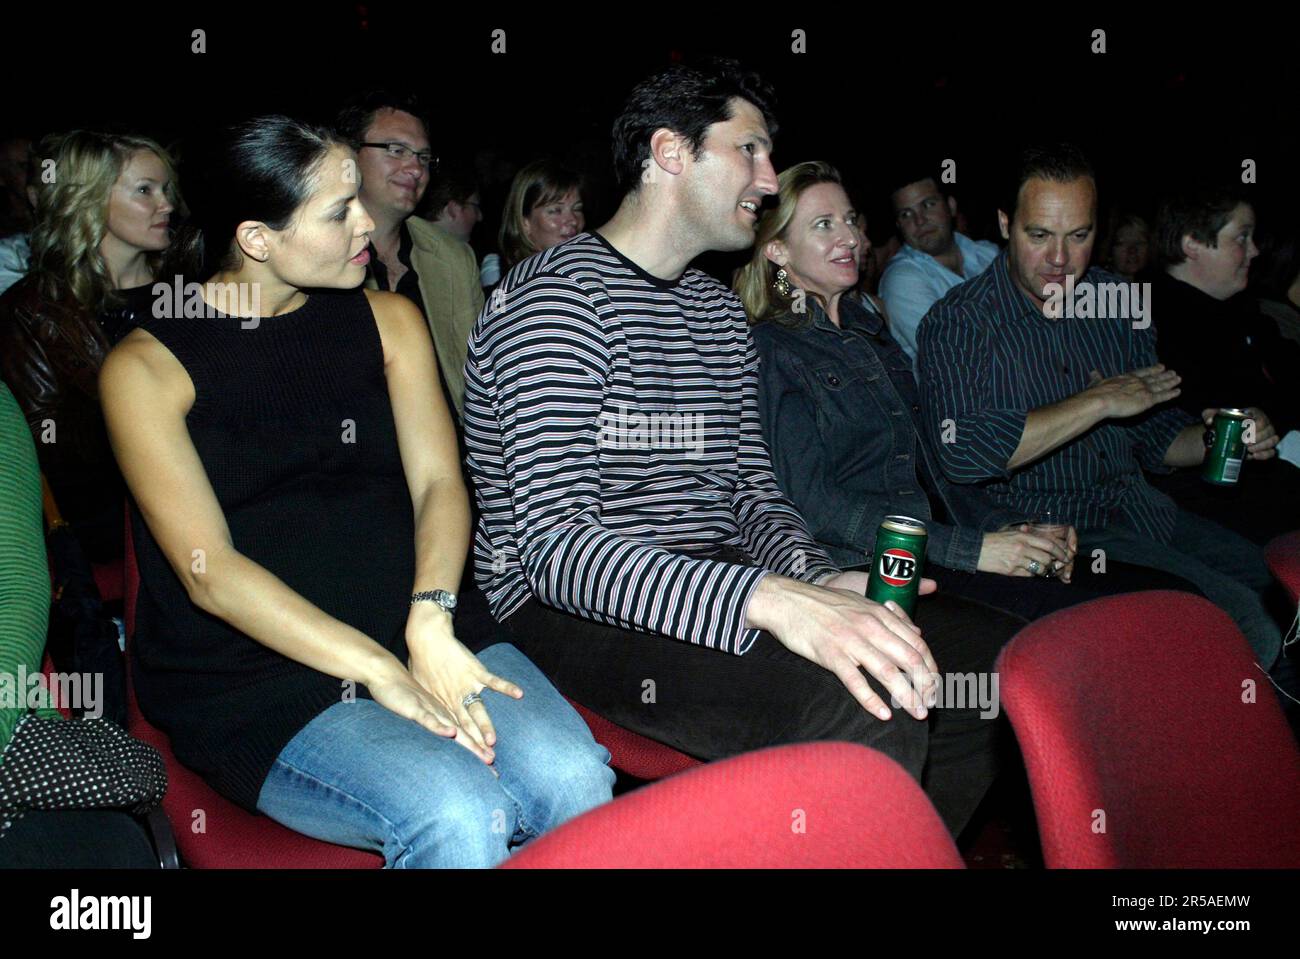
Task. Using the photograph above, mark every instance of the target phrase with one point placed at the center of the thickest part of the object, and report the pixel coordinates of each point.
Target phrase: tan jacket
(449, 287)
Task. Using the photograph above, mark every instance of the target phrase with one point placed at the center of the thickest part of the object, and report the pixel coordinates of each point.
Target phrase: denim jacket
(840, 414)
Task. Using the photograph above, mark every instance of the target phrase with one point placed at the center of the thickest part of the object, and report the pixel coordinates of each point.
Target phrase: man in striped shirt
(1057, 414)
(633, 536)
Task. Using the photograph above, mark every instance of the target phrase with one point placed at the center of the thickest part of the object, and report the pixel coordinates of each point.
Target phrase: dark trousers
(1031, 598)
(711, 705)
(1265, 503)
(1227, 568)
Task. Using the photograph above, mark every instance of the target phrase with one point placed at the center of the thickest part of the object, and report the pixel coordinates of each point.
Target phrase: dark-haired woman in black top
(302, 526)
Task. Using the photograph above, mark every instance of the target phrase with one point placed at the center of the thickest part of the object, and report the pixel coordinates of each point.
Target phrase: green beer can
(897, 562)
(1225, 448)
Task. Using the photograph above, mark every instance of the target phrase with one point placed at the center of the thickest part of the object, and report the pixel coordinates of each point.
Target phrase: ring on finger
(470, 700)
(1034, 567)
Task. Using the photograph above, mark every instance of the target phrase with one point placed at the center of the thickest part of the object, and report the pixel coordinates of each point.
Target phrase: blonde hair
(72, 212)
(755, 281)
(539, 183)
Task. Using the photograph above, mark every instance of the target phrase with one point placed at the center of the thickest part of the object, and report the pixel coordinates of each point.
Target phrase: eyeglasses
(401, 152)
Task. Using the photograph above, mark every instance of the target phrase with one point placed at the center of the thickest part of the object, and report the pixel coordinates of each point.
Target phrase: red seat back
(1151, 738)
(109, 580)
(813, 805)
(47, 667)
(633, 753)
(1283, 555)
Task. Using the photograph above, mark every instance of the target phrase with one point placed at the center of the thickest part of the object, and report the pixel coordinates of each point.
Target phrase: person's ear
(952, 207)
(667, 154)
(254, 240)
(776, 251)
(1192, 248)
(1004, 225)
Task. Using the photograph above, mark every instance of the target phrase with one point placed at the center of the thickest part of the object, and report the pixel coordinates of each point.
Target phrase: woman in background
(544, 208)
(103, 222)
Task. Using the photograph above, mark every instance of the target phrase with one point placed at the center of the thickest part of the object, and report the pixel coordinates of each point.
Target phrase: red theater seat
(633, 753)
(109, 580)
(1151, 738)
(1283, 555)
(813, 805)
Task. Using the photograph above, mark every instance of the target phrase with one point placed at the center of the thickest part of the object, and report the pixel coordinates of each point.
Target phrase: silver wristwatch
(440, 596)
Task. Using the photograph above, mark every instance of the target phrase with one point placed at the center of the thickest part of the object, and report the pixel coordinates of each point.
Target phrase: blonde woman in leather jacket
(104, 205)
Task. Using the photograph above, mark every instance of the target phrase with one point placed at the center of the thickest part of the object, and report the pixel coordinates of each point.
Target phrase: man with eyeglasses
(409, 255)
(427, 265)
(934, 257)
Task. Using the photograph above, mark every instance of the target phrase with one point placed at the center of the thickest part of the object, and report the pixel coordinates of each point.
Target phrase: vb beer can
(897, 562)
(1225, 448)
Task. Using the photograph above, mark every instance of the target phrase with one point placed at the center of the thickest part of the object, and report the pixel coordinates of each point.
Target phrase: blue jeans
(1228, 568)
(360, 775)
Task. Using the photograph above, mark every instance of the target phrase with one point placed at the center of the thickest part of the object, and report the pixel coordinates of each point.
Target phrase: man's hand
(1010, 551)
(1072, 546)
(1132, 393)
(1266, 437)
(839, 629)
(855, 581)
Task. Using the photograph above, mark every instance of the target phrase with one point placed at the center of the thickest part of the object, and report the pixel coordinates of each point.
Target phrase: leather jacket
(51, 352)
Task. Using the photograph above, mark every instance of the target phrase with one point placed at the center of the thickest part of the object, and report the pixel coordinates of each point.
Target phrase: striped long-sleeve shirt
(987, 358)
(614, 441)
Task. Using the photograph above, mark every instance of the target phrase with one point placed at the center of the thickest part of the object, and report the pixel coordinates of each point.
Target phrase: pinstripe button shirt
(614, 441)
(988, 357)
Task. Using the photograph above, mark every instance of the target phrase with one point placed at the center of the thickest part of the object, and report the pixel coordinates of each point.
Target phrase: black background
(1168, 99)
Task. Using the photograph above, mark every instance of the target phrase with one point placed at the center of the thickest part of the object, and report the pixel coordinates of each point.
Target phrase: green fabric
(24, 575)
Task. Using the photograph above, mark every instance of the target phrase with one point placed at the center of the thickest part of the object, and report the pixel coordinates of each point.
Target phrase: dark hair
(1054, 162)
(261, 169)
(908, 169)
(1199, 211)
(16, 213)
(358, 112)
(687, 100)
(454, 182)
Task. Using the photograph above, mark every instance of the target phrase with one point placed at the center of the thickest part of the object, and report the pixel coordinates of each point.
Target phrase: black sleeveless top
(294, 426)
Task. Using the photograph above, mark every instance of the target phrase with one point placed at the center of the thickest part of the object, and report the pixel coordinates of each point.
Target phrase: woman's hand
(1009, 553)
(395, 688)
(448, 672)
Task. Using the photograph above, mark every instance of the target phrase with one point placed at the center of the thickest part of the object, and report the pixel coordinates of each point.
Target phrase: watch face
(439, 597)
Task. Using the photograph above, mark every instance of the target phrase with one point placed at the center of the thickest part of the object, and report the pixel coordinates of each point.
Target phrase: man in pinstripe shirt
(633, 536)
(1062, 415)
